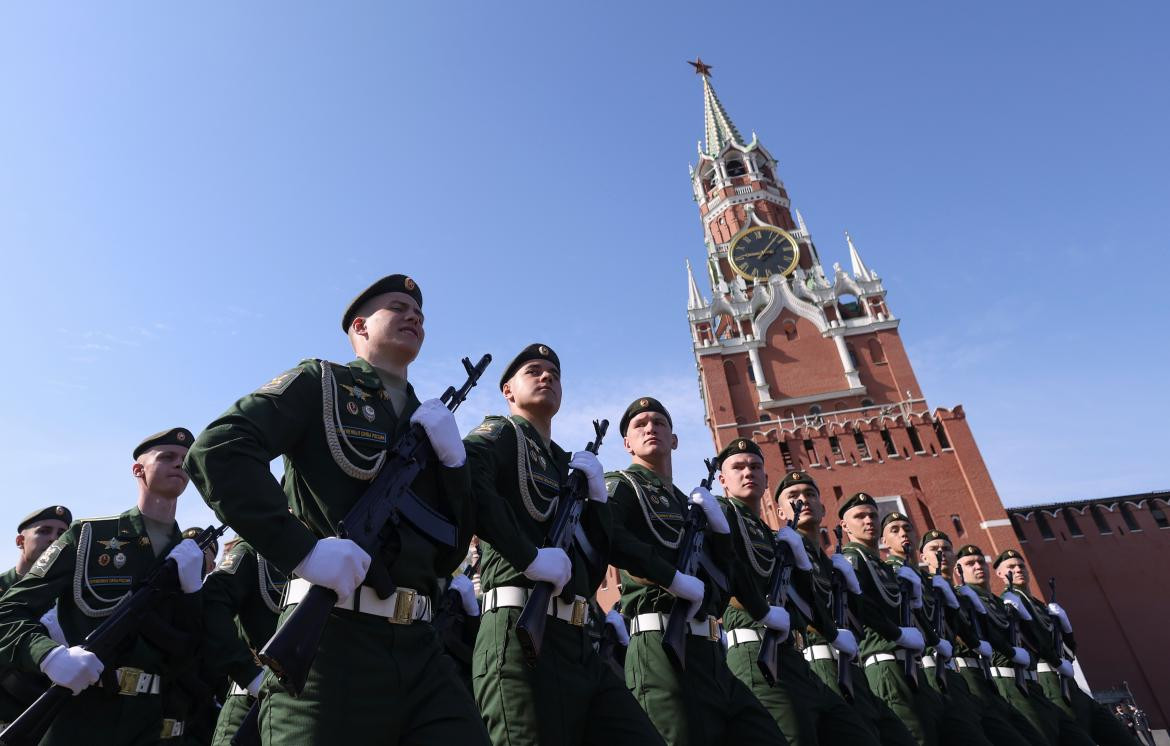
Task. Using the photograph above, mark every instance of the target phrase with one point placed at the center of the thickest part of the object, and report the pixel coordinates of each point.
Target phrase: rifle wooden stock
(840, 610)
(906, 619)
(387, 501)
(534, 616)
(674, 638)
(104, 641)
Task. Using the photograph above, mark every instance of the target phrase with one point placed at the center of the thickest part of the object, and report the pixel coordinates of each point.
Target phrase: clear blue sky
(190, 194)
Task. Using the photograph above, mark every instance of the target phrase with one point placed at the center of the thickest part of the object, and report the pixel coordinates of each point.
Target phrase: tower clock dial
(762, 251)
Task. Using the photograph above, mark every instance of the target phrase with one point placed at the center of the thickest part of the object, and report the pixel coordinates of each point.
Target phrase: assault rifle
(977, 626)
(840, 611)
(1021, 680)
(564, 530)
(768, 660)
(906, 619)
(690, 559)
(940, 627)
(612, 652)
(1058, 641)
(105, 641)
(380, 510)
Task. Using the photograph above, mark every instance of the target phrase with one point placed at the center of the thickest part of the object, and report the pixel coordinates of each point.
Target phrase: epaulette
(491, 427)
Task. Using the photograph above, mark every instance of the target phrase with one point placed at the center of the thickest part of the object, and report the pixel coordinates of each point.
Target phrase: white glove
(53, 626)
(973, 597)
(940, 583)
(984, 649)
(1011, 598)
(614, 619)
(336, 564)
(75, 667)
(1065, 669)
(254, 687)
(846, 643)
(442, 432)
(911, 639)
(799, 554)
(189, 557)
(911, 576)
(777, 618)
(466, 589)
(702, 497)
(1020, 657)
(551, 565)
(943, 648)
(587, 463)
(845, 567)
(689, 588)
(1057, 611)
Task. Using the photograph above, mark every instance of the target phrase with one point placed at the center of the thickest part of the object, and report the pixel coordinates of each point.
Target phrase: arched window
(876, 353)
(867, 402)
(731, 373)
(790, 331)
(815, 409)
(852, 354)
(736, 168)
(766, 170)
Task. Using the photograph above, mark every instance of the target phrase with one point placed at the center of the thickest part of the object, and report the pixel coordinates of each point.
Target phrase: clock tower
(810, 364)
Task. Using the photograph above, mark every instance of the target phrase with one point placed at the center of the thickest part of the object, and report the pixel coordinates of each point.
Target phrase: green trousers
(1054, 724)
(97, 716)
(1091, 715)
(960, 720)
(705, 705)
(231, 715)
(806, 711)
(890, 730)
(1002, 723)
(915, 708)
(568, 697)
(373, 682)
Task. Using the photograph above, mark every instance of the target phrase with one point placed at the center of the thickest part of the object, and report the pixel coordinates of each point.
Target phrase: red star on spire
(701, 68)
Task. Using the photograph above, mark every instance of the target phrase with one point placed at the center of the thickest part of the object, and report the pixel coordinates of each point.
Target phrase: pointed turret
(719, 129)
(860, 271)
(695, 298)
(800, 223)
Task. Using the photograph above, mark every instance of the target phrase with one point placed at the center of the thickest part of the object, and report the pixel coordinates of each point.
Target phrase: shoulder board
(99, 518)
(46, 560)
(281, 383)
(491, 428)
(231, 561)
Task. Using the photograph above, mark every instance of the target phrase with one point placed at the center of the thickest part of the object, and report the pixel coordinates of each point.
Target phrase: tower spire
(695, 298)
(859, 269)
(719, 130)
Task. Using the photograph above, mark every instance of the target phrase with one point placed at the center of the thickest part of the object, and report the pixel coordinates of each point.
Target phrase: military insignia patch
(409, 283)
(643, 402)
(103, 559)
(59, 510)
(119, 560)
(281, 383)
(490, 428)
(369, 413)
(181, 436)
(352, 407)
(45, 561)
(230, 563)
(112, 580)
(144, 541)
(361, 433)
(112, 544)
(543, 350)
(356, 392)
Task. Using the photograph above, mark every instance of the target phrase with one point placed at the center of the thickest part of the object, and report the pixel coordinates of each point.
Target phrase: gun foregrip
(290, 652)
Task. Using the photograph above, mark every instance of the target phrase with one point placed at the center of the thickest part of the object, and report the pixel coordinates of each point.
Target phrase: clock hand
(768, 249)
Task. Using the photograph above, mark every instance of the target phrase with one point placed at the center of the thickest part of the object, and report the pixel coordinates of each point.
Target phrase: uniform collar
(131, 523)
(650, 476)
(865, 549)
(366, 375)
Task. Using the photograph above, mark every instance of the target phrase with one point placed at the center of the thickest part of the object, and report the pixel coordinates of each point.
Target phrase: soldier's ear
(674, 442)
(626, 445)
(506, 390)
(138, 470)
(20, 540)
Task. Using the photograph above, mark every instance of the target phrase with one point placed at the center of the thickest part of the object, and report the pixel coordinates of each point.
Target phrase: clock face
(762, 252)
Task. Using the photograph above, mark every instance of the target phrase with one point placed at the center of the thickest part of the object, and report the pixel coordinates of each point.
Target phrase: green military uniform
(705, 703)
(86, 572)
(371, 681)
(569, 696)
(804, 707)
(879, 653)
(8, 579)
(242, 601)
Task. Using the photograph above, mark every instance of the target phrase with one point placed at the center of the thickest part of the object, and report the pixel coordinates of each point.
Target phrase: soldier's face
(649, 435)
(1014, 568)
(812, 509)
(392, 325)
(895, 536)
(743, 476)
(36, 538)
(931, 553)
(161, 468)
(537, 385)
(860, 524)
(973, 569)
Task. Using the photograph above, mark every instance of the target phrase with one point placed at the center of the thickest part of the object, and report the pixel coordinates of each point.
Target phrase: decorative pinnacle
(859, 269)
(695, 298)
(719, 130)
(701, 68)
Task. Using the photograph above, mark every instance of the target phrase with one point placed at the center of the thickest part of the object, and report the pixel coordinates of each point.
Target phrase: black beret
(176, 436)
(53, 512)
(932, 535)
(895, 516)
(388, 284)
(969, 550)
(795, 477)
(860, 498)
(534, 351)
(1006, 555)
(739, 445)
(640, 405)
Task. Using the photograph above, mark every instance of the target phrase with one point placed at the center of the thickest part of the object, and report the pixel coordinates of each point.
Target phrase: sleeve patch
(611, 484)
(230, 563)
(46, 560)
(281, 383)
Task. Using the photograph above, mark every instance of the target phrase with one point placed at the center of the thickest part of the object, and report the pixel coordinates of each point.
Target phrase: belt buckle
(171, 728)
(128, 680)
(580, 609)
(712, 629)
(403, 607)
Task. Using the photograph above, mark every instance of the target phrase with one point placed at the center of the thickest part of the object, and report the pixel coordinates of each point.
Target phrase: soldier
(886, 642)
(209, 553)
(34, 534)
(821, 651)
(1053, 726)
(241, 600)
(805, 709)
(1038, 621)
(87, 572)
(568, 695)
(380, 674)
(705, 703)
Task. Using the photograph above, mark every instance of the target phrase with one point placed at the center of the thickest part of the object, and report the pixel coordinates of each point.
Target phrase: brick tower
(811, 365)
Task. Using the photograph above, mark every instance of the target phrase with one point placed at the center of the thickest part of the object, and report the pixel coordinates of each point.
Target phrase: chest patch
(110, 580)
(361, 433)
